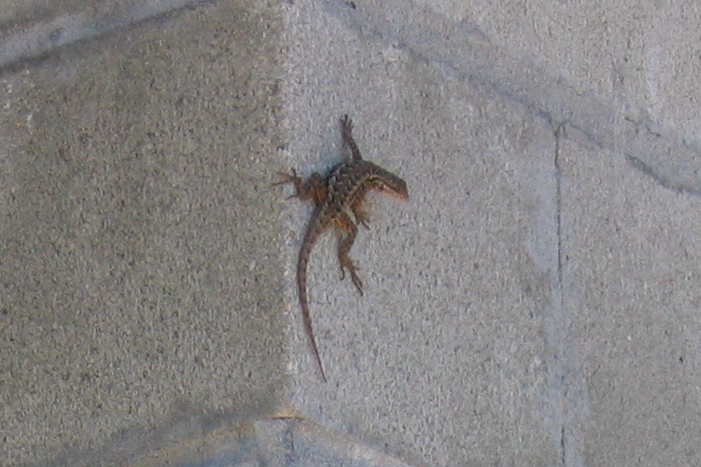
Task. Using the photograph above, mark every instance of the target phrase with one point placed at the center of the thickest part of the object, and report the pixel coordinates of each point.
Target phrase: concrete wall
(535, 302)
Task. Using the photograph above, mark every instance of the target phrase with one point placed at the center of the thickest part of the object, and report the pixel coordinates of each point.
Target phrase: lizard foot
(352, 270)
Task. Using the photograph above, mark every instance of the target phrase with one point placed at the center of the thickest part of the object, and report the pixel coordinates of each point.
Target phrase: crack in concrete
(559, 132)
(559, 290)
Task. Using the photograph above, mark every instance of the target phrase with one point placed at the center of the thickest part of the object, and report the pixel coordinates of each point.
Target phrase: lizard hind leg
(345, 223)
(313, 188)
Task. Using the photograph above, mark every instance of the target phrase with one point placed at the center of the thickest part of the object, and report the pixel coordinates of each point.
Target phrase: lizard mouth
(395, 195)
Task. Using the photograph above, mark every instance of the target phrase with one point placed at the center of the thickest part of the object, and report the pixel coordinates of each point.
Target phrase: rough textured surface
(138, 247)
(535, 303)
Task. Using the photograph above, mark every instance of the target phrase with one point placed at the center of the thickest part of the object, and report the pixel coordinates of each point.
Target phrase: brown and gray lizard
(339, 200)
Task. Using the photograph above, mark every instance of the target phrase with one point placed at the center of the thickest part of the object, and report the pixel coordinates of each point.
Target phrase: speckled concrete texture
(141, 281)
(534, 303)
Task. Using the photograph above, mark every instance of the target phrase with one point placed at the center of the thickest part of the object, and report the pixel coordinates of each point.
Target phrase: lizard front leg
(361, 215)
(345, 223)
(347, 135)
(313, 188)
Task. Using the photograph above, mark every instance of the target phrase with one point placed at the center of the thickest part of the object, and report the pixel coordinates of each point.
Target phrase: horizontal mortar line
(462, 50)
(42, 38)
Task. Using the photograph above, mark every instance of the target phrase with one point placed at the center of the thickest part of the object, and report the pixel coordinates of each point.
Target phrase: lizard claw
(357, 282)
(287, 178)
(346, 122)
(354, 277)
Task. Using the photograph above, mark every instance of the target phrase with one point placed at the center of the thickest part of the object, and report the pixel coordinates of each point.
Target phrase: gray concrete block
(140, 264)
(532, 304)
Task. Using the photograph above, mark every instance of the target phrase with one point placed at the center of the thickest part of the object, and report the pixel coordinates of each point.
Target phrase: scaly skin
(342, 192)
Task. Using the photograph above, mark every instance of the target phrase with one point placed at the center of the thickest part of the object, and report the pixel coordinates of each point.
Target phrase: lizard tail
(304, 254)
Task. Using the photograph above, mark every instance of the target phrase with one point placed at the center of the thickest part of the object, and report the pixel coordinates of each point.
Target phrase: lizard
(339, 204)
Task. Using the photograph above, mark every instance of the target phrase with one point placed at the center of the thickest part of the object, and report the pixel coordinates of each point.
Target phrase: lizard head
(389, 184)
